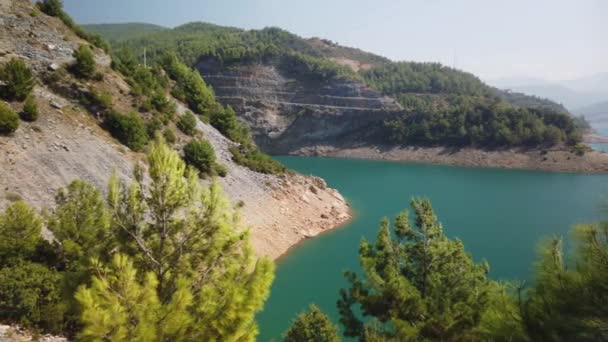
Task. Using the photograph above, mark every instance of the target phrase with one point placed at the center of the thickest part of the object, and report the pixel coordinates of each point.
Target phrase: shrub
(129, 129)
(9, 121)
(153, 126)
(169, 135)
(17, 78)
(580, 149)
(20, 229)
(220, 170)
(54, 8)
(30, 109)
(30, 295)
(161, 103)
(200, 154)
(84, 66)
(102, 99)
(255, 160)
(35, 12)
(187, 123)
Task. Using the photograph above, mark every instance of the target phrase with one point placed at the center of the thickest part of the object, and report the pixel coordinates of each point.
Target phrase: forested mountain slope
(124, 31)
(284, 86)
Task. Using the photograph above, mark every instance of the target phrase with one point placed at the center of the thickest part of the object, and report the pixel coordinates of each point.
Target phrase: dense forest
(442, 105)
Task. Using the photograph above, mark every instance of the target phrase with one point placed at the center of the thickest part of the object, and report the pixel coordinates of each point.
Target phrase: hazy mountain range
(583, 96)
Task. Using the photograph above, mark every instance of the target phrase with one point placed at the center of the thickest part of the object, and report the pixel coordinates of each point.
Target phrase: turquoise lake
(499, 214)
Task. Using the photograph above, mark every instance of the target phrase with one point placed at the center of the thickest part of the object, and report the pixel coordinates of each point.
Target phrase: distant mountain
(123, 31)
(596, 114)
(597, 83)
(573, 94)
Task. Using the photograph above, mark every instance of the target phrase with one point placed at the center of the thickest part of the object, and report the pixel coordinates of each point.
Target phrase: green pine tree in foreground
(185, 269)
(312, 325)
(421, 286)
(569, 301)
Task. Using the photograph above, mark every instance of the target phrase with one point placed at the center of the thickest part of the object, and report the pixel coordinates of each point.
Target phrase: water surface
(499, 214)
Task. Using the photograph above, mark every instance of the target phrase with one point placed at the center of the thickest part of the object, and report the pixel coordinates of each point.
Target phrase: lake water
(499, 214)
(603, 147)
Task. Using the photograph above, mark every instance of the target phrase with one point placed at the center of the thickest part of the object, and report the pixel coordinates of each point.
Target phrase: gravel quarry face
(67, 143)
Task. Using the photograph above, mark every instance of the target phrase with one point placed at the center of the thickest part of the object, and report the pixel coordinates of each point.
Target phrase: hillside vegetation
(442, 106)
(122, 32)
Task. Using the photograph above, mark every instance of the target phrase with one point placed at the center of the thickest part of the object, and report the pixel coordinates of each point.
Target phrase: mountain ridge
(303, 96)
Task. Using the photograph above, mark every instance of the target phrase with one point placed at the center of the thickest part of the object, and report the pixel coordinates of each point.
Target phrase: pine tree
(188, 244)
(30, 109)
(119, 307)
(18, 80)
(419, 285)
(85, 65)
(312, 326)
(80, 223)
(569, 299)
(20, 229)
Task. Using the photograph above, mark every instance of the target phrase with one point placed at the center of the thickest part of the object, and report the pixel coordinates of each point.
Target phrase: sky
(494, 39)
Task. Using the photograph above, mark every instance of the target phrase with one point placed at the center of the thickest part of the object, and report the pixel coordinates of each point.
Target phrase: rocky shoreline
(555, 160)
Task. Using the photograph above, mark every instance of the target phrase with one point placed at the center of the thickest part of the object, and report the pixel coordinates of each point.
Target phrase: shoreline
(352, 216)
(550, 160)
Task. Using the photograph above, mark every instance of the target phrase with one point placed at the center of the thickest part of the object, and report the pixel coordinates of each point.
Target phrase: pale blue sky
(551, 39)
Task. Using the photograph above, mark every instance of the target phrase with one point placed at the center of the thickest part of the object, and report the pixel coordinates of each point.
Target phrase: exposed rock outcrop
(287, 114)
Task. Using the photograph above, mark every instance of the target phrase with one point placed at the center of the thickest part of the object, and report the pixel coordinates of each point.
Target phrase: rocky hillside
(68, 142)
(286, 115)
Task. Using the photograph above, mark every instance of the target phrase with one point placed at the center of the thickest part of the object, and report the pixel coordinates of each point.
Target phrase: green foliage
(419, 285)
(220, 169)
(226, 122)
(569, 299)
(80, 223)
(20, 229)
(310, 68)
(250, 157)
(102, 99)
(198, 95)
(187, 123)
(30, 109)
(198, 277)
(409, 77)
(96, 100)
(30, 295)
(54, 8)
(9, 120)
(18, 80)
(123, 32)
(35, 12)
(129, 129)
(29, 292)
(153, 126)
(312, 325)
(85, 65)
(457, 120)
(200, 154)
(119, 307)
(169, 135)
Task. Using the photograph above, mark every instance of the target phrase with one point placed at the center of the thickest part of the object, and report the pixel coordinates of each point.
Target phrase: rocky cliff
(287, 114)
